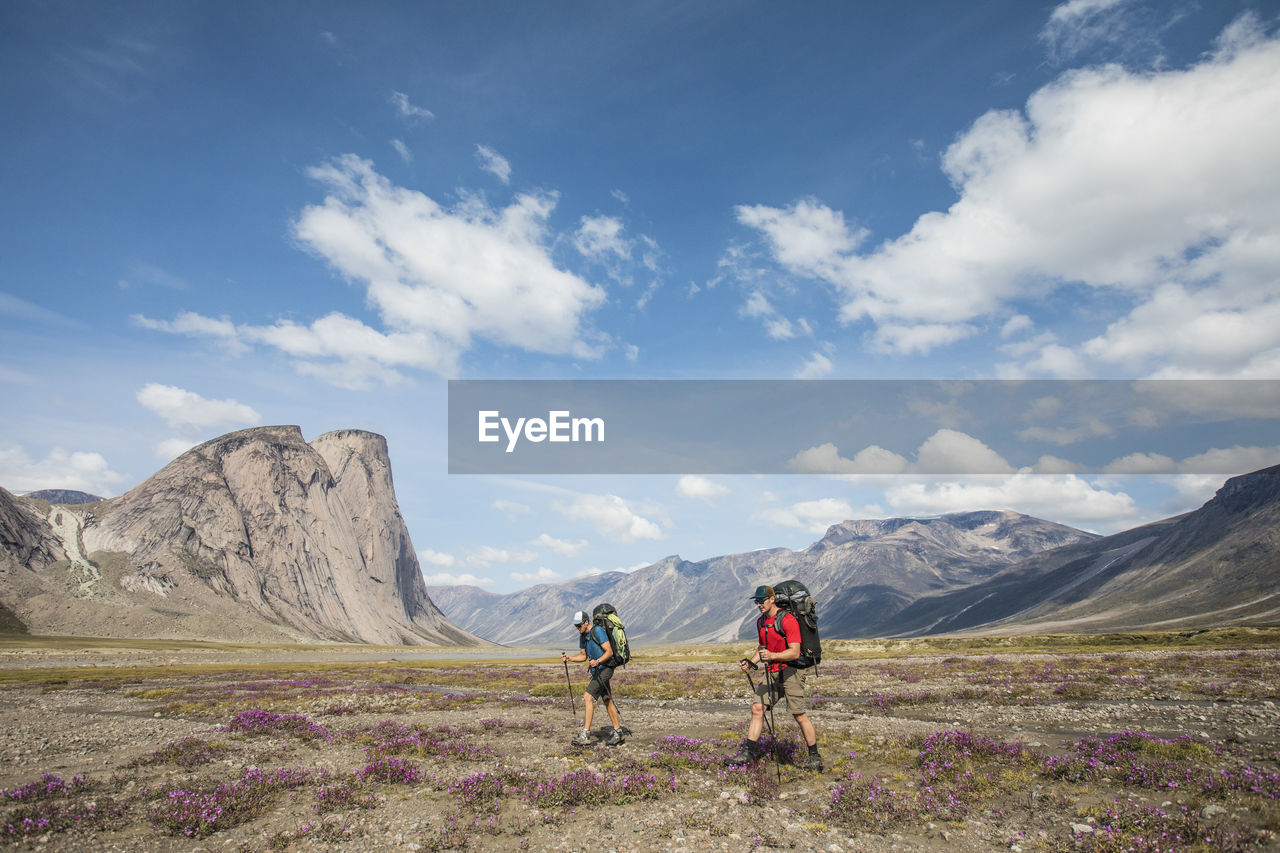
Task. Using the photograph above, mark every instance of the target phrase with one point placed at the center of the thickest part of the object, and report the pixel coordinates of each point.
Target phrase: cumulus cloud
(181, 408)
(562, 547)
(542, 574)
(60, 469)
(946, 451)
(776, 326)
(812, 516)
(438, 278)
(816, 367)
(1064, 498)
(486, 555)
(1159, 187)
(436, 558)
(693, 487)
(610, 515)
(403, 150)
(493, 163)
(601, 237)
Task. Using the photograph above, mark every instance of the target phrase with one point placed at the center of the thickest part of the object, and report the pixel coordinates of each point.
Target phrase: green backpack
(605, 616)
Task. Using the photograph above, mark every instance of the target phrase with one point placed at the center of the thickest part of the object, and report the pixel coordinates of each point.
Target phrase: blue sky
(215, 216)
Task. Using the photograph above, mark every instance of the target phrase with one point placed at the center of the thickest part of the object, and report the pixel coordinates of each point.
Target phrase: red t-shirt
(775, 642)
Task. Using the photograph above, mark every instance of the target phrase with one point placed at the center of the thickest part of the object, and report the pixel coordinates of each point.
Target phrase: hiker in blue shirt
(595, 649)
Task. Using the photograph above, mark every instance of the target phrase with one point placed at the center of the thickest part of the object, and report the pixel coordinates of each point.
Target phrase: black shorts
(598, 687)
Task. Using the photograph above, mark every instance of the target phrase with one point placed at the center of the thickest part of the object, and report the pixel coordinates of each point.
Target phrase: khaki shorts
(791, 684)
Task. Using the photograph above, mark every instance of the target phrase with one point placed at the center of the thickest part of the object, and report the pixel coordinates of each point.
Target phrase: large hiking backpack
(605, 616)
(793, 597)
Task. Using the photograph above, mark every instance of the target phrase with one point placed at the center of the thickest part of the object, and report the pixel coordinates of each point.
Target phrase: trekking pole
(768, 680)
(570, 684)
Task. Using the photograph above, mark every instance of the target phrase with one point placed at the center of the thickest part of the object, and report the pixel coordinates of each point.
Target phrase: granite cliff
(253, 536)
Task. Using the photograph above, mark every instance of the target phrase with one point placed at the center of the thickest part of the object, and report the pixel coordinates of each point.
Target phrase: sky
(215, 216)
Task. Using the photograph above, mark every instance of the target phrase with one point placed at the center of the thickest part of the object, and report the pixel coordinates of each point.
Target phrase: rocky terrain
(863, 573)
(256, 536)
(1169, 747)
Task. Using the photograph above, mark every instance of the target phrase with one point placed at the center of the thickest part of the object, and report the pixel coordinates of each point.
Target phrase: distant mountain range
(863, 573)
(982, 572)
(254, 536)
(1218, 565)
(67, 497)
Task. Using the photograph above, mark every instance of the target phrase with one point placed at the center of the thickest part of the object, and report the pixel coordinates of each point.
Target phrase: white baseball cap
(580, 617)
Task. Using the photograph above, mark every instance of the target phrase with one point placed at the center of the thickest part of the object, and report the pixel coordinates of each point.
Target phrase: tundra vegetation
(1144, 742)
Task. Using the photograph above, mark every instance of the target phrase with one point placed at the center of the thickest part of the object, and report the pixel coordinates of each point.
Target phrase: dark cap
(762, 592)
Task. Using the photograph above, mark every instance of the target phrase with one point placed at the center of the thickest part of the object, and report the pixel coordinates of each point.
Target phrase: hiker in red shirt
(775, 651)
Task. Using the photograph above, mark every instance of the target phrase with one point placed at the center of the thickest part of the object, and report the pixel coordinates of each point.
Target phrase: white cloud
(776, 326)
(693, 487)
(1141, 463)
(511, 507)
(610, 515)
(561, 546)
(448, 579)
(195, 325)
(437, 277)
(813, 516)
(436, 558)
(403, 150)
(1078, 24)
(172, 448)
(542, 574)
(1160, 187)
(181, 408)
(600, 237)
(493, 163)
(1066, 435)
(816, 367)
(407, 110)
(946, 451)
(1064, 498)
(487, 555)
(60, 469)
(1230, 460)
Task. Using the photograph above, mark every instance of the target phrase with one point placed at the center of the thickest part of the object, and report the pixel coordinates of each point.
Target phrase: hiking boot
(615, 738)
(814, 763)
(583, 738)
(746, 754)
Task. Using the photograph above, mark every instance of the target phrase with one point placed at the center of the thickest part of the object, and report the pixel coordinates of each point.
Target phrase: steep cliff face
(249, 536)
(26, 539)
(361, 468)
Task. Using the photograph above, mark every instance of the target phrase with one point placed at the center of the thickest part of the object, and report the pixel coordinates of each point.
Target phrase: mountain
(63, 496)
(1218, 565)
(862, 573)
(253, 536)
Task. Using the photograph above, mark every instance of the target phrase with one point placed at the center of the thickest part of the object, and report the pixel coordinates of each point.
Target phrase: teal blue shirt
(593, 641)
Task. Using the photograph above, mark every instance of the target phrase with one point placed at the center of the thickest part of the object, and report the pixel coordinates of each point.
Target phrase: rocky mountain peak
(278, 537)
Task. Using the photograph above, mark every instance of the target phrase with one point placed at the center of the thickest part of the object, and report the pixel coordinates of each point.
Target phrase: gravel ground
(482, 738)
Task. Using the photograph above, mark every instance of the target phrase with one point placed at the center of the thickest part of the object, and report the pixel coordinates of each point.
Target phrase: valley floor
(1158, 749)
